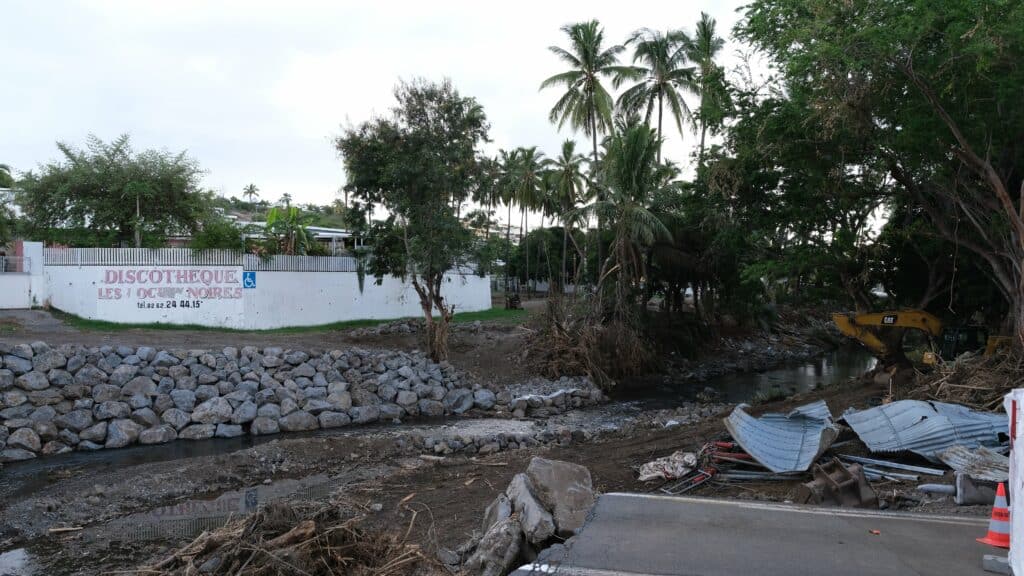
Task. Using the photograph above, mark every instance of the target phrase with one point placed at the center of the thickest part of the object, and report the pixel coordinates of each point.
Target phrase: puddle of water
(16, 562)
(831, 368)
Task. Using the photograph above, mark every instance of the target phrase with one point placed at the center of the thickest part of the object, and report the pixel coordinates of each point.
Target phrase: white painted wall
(278, 299)
(15, 291)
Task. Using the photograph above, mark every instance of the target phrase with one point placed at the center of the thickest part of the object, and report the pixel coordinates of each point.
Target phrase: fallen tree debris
(293, 539)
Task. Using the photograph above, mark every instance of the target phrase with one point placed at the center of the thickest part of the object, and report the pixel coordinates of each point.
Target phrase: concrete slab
(663, 535)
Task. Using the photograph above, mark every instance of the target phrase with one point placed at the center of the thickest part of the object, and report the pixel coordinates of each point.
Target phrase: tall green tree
(529, 188)
(6, 176)
(702, 49)
(586, 104)
(505, 191)
(107, 191)
(663, 75)
(631, 180)
(420, 164)
(251, 192)
(922, 84)
(568, 191)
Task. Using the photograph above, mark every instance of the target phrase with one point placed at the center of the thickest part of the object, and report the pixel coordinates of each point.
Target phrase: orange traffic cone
(999, 527)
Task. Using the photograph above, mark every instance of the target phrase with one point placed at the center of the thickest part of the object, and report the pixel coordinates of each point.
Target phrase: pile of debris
(806, 442)
(979, 382)
(296, 539)
(544, 505)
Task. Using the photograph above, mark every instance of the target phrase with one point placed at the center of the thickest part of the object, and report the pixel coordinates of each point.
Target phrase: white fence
(233, 290)
(140, 257)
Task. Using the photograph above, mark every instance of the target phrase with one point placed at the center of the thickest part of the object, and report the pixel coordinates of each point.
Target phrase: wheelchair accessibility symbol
(248, 279)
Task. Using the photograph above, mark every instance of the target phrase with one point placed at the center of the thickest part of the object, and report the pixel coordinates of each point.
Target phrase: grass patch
(85, 324)
(9, 326)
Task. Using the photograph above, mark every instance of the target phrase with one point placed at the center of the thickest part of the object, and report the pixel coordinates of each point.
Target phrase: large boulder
(496, 553)
(213, 411)
(122, 374)
(484, 399)
(496, 511)
(563, 488)
(162, 360)
(298, 421)
(364, 414)
(121, 433)
(16, 455)
(333, 419)
(95, 433)
(458, 400)
(76, 420)
(198, 432)
(109, 410)
(142, 385)
(431, 408)
(90, 375)
(536, 521)
(158, 434)
(49, 360)
(17, 364)
(184, 400)
(32, 381)
(228, 431)
(246, 412)
(264, 425)
(176, 417)
(25, 438)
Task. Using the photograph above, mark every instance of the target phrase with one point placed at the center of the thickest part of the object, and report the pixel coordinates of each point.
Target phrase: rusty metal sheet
(784, 442)
(980, 463)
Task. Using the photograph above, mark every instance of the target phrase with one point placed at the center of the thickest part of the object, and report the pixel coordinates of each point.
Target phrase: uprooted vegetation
(574, 342)
(299, 539)
(980, 382)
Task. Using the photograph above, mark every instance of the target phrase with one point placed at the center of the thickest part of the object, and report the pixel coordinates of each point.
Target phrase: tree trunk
(700, 155)
(659, 125)
(565, 252)
(526, 246)
(600, 195)
(508, 248)
(138, 222)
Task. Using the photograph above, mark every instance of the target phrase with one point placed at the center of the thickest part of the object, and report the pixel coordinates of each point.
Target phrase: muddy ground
(126, 500)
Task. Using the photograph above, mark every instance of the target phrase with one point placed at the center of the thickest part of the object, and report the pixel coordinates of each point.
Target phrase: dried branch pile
(974, 381)
(296, 539)
(574, 342)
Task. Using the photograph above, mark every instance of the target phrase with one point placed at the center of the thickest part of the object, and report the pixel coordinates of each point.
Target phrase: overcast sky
(255, 91)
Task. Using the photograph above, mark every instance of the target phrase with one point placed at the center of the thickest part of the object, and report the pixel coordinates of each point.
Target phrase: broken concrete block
(497, 551)
(536, 522)
(563, 488)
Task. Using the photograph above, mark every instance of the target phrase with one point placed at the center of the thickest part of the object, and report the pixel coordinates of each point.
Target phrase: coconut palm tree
(250, 192)
(632, 178)
(567, 187)
(286, 199)
(586, 105)
(529, 184)
(702, 50)
(663, 76)
(507, 165)
(6, 176)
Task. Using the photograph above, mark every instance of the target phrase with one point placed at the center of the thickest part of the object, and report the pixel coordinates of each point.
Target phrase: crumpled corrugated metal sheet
(784, 442)
(925, 428)
(979, 464)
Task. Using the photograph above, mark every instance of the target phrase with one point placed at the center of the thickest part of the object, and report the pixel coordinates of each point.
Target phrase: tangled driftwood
(974, 381)
(297, 539)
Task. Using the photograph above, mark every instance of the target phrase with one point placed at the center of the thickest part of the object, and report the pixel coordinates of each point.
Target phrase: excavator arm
(864, 327)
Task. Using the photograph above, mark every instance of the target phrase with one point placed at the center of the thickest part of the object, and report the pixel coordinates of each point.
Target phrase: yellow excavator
(870, 330)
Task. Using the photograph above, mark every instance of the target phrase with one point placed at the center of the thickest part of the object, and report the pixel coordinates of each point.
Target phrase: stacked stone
(540, 406)
(57, 399)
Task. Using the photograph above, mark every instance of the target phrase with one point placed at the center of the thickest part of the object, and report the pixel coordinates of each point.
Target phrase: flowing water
(830, 368)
